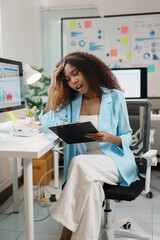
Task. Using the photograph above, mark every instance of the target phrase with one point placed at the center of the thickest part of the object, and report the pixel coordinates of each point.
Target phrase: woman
(87, 90)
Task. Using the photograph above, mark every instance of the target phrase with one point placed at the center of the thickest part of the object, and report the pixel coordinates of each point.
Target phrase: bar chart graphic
(2, 96)
(10, 93)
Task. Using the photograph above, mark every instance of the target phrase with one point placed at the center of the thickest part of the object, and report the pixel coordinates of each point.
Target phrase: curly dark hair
(95, 71)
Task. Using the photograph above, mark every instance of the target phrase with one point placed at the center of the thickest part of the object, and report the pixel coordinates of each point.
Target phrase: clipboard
(74, 132)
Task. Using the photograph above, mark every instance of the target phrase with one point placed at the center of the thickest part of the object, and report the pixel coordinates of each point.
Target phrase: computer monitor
(133, 81)
(11, 85)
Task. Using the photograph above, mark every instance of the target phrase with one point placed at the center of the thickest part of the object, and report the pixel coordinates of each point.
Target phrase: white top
(93, 147)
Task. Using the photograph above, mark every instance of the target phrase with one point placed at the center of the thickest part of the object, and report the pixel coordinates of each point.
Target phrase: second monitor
(133, 81)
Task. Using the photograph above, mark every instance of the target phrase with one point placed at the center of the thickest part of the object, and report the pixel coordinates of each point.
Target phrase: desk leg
(15, 185)
(56, 169)
(28, 193)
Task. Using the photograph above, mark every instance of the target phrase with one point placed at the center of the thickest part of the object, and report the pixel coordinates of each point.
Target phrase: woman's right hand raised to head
(54, 75)
(51, 102)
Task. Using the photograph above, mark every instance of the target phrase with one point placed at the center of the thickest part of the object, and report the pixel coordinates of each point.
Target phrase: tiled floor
(143, 213)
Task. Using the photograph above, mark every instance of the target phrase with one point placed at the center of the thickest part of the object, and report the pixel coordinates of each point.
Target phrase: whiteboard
(120, 41)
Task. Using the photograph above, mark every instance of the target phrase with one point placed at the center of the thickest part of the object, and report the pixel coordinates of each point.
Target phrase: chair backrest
(139, 115)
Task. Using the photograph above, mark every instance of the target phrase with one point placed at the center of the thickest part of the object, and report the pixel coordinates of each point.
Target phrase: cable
(8, 214)
(59, 150)
(39, 220)
(41, 179)
(51, 170)
(47, 190)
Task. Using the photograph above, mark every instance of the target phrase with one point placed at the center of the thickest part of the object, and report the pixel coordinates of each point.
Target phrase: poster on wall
(85, 35)
(146, 49)
(91, 35)
(146, 40)
(122, 41)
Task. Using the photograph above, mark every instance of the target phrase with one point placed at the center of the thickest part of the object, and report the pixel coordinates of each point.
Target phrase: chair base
(112, 234)
(118, 229)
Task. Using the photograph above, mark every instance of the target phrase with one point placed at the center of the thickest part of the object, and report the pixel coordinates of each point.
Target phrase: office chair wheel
(127, 226)
(149, 195)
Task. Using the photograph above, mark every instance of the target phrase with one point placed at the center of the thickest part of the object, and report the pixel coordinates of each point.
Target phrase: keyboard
(27, 130)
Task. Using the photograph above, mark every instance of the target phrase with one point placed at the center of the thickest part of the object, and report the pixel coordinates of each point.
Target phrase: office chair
(144, 160)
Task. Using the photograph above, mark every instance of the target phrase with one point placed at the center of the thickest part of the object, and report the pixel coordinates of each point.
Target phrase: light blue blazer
(113, 118)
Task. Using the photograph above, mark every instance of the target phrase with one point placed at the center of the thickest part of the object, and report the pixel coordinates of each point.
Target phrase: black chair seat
(117, 192)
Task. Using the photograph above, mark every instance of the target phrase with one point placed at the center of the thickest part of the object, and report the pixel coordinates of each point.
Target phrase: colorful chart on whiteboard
(120, 41)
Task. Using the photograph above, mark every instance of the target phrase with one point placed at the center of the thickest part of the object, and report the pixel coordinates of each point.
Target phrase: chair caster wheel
(127, 226)
(149, 195)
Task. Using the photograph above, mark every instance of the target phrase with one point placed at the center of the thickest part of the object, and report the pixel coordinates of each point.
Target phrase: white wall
(108, 7)
(21, 42)
(21, 35)
(21, 30)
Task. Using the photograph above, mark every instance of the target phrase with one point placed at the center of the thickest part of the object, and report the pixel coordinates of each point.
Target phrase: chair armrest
(151, 157)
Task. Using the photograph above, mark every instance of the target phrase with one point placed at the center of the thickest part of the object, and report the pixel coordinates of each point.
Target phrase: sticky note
(124, 41)
(113, 52)
(124, 29)
(151, 68)
(129, 56)
(88, 24)
(73, 24)
(11, 116)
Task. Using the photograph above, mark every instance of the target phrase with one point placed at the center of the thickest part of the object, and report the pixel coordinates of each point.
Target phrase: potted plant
(30, 118)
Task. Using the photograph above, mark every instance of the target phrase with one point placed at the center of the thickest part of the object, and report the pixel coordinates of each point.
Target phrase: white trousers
(80, 203)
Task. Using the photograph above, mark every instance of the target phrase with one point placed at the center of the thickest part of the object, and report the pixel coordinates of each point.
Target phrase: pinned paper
(124, 29)
(124, 41)
(87, 24)
(73, 24)
(113, 52)
(129, 56)
(11, 117)
(151, 68)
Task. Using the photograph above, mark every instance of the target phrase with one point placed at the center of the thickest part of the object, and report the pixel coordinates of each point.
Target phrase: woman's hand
(102, 136)
(51, 102)
(54, 74)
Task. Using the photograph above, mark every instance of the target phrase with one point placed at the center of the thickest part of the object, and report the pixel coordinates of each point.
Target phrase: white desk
(26, 148)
